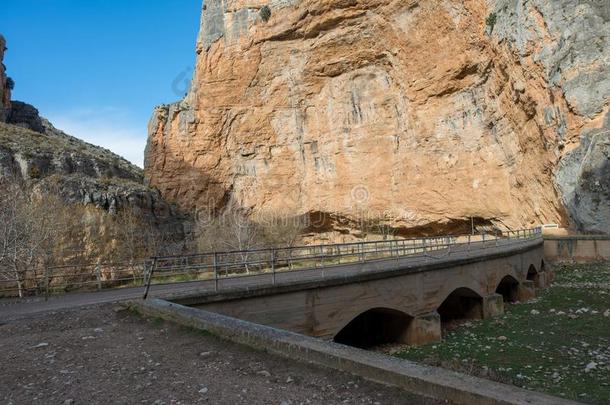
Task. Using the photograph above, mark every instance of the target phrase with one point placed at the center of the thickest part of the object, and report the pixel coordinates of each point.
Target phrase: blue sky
(97, 68)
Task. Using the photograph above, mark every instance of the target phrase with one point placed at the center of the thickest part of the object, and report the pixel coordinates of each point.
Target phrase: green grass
(544, 345)
(157, 322)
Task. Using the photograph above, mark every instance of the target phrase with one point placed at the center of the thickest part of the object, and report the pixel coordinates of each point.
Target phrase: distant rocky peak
(25, 115)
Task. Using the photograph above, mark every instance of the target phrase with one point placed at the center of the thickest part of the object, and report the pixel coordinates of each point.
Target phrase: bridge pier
(493, 305)
(526, 291)
(423, 329)
(544, 279)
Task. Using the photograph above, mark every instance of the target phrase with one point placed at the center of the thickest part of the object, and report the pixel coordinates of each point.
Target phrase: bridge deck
(14, 309)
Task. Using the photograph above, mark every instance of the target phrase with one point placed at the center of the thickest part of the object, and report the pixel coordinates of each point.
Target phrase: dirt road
(93, 355)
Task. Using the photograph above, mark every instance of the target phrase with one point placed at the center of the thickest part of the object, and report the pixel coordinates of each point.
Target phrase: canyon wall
(420, 115)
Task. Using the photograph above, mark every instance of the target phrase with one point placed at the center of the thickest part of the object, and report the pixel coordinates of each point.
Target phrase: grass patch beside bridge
(559, 343)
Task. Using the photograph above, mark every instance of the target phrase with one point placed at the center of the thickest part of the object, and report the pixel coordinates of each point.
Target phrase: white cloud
(107, 127)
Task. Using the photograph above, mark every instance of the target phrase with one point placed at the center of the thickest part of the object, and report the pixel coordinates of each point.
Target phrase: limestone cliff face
(423, 114)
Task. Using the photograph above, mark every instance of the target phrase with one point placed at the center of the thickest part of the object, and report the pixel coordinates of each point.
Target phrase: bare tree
(30, 230)
(233, 231)
(137, 237)
(40, 234)
(281, 230)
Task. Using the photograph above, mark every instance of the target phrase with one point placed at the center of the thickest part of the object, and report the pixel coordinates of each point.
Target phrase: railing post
(46, 283)
(273, 264)
(361, 248)
(322, 256)
(98, 275)
(216, 271)
(150, 276)
(469, 241)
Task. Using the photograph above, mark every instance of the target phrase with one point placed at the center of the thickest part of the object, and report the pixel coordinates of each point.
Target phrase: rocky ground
(558, 343)
(97, 355)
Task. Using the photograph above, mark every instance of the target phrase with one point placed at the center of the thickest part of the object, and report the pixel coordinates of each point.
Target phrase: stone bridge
(407, 300)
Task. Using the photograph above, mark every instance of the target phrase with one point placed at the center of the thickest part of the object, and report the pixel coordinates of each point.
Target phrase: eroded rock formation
(423, 114)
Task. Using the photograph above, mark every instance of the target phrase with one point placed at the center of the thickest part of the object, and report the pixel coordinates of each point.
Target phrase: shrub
(10, 83)
(105, 181)
(491, 21)
(34, 172)
(265, 13)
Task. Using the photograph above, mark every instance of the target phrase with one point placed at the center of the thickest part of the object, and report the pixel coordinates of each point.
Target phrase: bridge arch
(508, 288)
(463, 303)
(532, 273)
(374, 327)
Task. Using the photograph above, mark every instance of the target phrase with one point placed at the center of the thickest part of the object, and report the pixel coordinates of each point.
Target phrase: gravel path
(93, 355)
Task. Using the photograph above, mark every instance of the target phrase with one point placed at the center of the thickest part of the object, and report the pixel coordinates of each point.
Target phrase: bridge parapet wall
(577, 248)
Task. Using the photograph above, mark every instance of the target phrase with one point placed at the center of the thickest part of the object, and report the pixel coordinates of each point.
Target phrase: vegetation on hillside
(265, 13)
(39, 232)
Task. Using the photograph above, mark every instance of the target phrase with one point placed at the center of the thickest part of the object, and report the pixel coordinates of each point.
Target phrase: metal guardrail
(77, 277)
(220, 266)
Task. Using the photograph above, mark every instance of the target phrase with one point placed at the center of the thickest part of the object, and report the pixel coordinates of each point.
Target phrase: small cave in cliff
(452, 227)
(321, 223)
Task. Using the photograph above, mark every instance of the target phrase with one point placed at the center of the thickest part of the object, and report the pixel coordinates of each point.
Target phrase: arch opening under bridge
(508, 289)
(532, 274)
(375, 327)
(461, 305)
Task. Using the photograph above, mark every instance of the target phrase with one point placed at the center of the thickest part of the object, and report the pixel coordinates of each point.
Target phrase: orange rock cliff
(422, 114)
(5, 84)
